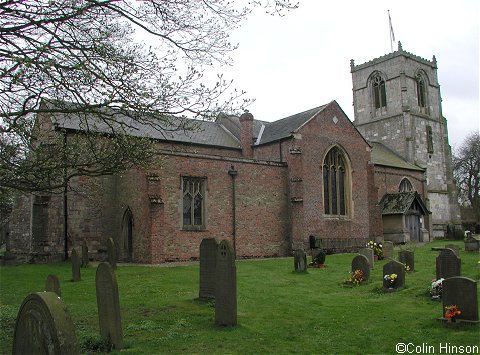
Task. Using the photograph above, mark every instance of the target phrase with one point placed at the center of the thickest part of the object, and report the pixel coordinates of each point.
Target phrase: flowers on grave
(356, 278)
(451, 312)
(377, 249)
(407, 268)
(436, 289)
(390, 279)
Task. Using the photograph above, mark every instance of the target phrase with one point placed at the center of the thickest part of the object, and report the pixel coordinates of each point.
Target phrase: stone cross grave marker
(461, 292)
(44, 326)
(208, 264)
(387, 249)
(455, 249)
(369, 254)
(52, 284)
(226, 286)
(84, 253)
(75, 266)
(300, 260)
(112, 253)
(108, 304)
(360, 262)
(394, 267)
(447, 264)
(407, 257)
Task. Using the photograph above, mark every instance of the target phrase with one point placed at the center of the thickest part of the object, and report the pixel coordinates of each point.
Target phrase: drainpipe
(65, 200)
(233, 173)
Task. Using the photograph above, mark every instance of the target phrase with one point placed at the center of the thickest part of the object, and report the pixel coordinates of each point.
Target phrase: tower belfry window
(379, 92)
(421, 93)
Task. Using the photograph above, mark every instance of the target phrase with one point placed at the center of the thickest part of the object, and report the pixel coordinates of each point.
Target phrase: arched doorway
(127, 236)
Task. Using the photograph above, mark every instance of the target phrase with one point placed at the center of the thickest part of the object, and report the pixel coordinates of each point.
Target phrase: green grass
(279, 311)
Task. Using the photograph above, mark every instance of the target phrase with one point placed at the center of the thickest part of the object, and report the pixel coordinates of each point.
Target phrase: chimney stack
(246, 134)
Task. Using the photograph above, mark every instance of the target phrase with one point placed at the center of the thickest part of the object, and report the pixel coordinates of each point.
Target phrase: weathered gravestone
(52, 284)
(318, 257)
(108, 304)
(407, 258)
(461, 292)
(226, 287)
(388, 249)
(44, 326)
(394, 267)
(84, 253)
(369, 254)
(360, 262)
(471, 244)
(447, 264)
(300, 260)
(112, 253)
(208, 264)
(455, 249)
(75, 265)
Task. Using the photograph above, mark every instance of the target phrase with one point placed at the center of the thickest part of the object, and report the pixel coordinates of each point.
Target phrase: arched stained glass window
(334, 183)
(405, 186)
(193, 191)
(379, 92)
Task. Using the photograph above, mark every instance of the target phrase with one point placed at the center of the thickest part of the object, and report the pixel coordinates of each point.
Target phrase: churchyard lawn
(279, 311)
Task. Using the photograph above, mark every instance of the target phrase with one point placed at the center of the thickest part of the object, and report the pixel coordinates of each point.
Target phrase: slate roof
(381, 155)
(401, 202)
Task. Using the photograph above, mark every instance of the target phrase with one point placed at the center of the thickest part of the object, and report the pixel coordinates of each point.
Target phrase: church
(266, 186)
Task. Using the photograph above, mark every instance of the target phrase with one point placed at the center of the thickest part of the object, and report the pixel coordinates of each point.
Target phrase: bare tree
(466, 168)
(78, 58)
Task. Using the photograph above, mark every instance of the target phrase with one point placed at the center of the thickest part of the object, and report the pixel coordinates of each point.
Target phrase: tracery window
(405, 186)
(334, 172)
(193, 193)
(379, 92)
(421, 93)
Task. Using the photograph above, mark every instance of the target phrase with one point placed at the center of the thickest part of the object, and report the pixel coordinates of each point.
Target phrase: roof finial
(400, 46)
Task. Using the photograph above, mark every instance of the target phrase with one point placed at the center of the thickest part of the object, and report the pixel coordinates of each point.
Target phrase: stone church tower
(397, 103)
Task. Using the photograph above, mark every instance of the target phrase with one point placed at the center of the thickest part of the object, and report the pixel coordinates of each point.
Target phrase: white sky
(294, 63)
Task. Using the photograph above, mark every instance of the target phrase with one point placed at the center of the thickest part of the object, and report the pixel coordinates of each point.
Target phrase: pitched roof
(401, 202)
(381, 155)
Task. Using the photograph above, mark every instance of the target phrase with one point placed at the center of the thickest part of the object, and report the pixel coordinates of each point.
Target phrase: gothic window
(421, 93)
(334, 183)
(379, 93)
(405, 186)
(193, 203)
(429, 139)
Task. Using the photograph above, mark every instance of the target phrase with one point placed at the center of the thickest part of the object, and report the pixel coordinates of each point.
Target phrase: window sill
(336, 217)
(194, 229)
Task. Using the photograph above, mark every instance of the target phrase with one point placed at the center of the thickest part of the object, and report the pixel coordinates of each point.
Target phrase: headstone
(360, 262)
(471, 244)
(75, 265)
(461, 292)
(388, 249)
(407, 258)
(208, 264)
(300, 260)
(53, 285)
(455, 249)
(112, 253)
(318, 256)
(44, 326)
(108, 304)
(369, 254)
(394, 267)
(84, 253)
(447, 264)
(226, 287)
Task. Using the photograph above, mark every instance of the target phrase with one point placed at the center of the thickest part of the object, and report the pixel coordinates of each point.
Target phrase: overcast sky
(293, 63)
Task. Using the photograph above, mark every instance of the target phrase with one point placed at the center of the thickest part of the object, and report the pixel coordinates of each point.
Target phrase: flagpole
(392, 35)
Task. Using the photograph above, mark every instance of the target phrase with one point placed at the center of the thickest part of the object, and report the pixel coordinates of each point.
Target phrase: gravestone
(369, 254)
(44, 326)
(471, 244)
(208, 264)
(108, 304)
(300, 260)
(394, 267)
(388, 249)
(407, 258)
(75, 265)
(112, 253)
(360, 262)
(84, 253)
(318, 256)
(455, 249)
(52, 284)
(226, 286)
(461, 292)
(447, 264)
